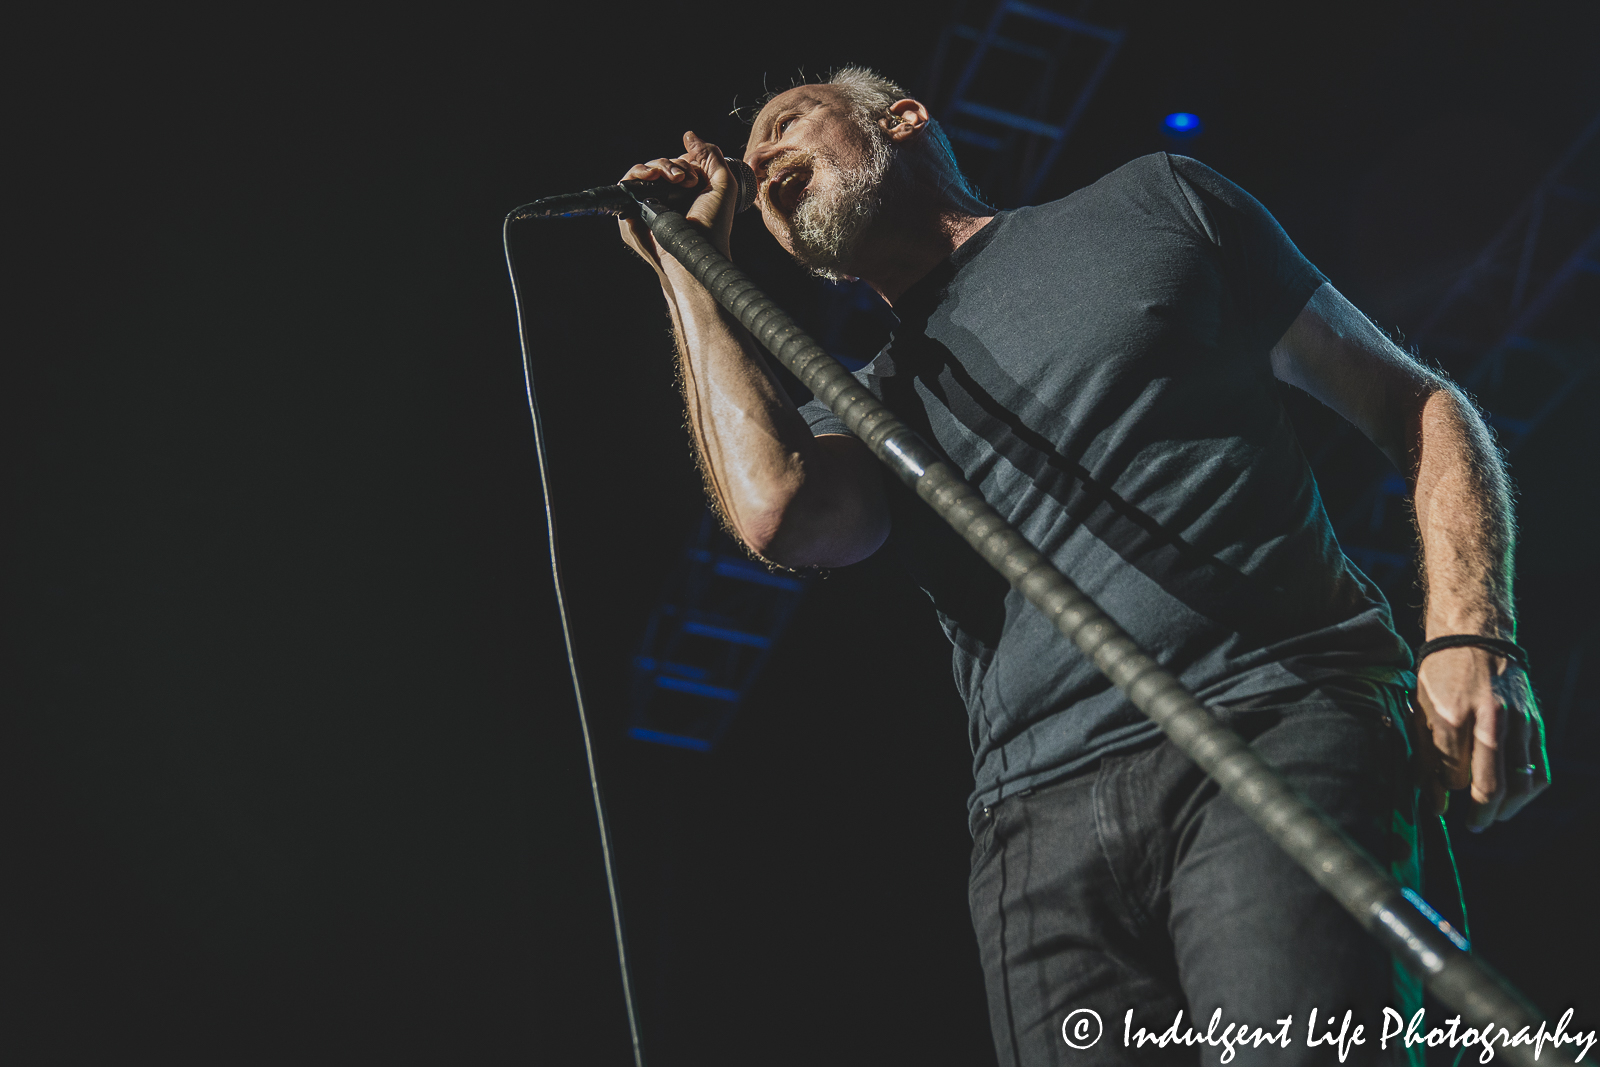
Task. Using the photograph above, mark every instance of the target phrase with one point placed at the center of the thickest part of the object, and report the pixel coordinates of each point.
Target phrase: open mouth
(787, 187)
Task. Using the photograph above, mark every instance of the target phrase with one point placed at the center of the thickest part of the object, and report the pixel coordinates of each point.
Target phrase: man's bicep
(1336, 354)
(860, 508)
(841, 514)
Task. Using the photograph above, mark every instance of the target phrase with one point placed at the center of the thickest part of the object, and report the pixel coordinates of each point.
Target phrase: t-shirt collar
(924, 294)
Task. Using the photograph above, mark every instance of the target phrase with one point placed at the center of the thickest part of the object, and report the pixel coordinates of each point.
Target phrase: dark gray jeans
(1136, 885)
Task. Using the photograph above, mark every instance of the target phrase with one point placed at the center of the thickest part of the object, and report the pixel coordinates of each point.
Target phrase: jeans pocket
(982, 842)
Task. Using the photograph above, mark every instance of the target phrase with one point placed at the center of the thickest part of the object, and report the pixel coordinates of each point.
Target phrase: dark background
(291, 767)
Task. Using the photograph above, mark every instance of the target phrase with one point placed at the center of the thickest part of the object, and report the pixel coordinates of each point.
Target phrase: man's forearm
(1463, 515)
(1462, 507)
(751, 442)
(1478, 709)
(791, 497)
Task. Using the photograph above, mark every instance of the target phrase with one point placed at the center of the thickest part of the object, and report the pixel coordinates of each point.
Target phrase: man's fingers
(680, 171)
(1485, 725)
(1427, 761)
(708, 155)
(1488, 782)
(714, 207)
(1454, 747)
(702, 169)
(1514, 759)
(1527, 767)
(1446, 682)
(693, 143)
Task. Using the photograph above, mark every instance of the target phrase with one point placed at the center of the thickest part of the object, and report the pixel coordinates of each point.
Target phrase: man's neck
(900, 252)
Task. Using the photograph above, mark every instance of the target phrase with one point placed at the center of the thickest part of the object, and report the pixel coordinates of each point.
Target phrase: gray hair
(870, 96)
(868, 91)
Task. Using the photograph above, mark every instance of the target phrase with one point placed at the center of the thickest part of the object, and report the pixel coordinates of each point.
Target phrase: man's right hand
(701, 166)
(793, 498)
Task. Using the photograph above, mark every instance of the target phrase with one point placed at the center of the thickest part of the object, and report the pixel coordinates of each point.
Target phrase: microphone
(624, 198)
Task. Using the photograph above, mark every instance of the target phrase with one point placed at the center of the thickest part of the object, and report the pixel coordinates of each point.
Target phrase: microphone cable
(604, 200)
(572, 657)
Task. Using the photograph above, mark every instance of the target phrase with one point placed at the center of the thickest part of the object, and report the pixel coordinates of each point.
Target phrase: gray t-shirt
(1098, 368)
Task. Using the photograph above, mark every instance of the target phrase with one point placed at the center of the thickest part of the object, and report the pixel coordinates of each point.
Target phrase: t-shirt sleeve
(821, 420)
(824, 421)
(1270, 275)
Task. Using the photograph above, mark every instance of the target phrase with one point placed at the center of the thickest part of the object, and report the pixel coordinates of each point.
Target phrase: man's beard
(839, 207)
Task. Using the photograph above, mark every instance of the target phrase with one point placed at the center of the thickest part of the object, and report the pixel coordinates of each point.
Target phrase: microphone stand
(1337, 863)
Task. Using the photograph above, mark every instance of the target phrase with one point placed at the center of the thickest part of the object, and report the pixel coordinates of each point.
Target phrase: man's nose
(759, 157)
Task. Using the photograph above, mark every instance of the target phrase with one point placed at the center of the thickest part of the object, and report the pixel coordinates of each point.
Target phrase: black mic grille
(747, 183)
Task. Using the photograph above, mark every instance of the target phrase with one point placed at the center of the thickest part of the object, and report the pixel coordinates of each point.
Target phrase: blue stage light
(1182, 123)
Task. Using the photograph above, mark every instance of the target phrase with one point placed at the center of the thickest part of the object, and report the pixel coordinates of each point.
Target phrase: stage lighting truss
(707, 640)
(1016, 88)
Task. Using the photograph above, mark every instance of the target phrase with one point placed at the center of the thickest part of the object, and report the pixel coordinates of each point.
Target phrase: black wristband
(1509, 649)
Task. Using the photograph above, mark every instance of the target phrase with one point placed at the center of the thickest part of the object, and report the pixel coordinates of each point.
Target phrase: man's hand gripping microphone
(624, 198)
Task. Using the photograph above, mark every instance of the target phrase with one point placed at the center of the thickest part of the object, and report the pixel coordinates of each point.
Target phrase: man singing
(1103, 369)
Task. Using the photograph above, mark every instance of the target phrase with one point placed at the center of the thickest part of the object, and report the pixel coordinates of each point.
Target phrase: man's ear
(906, 119)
